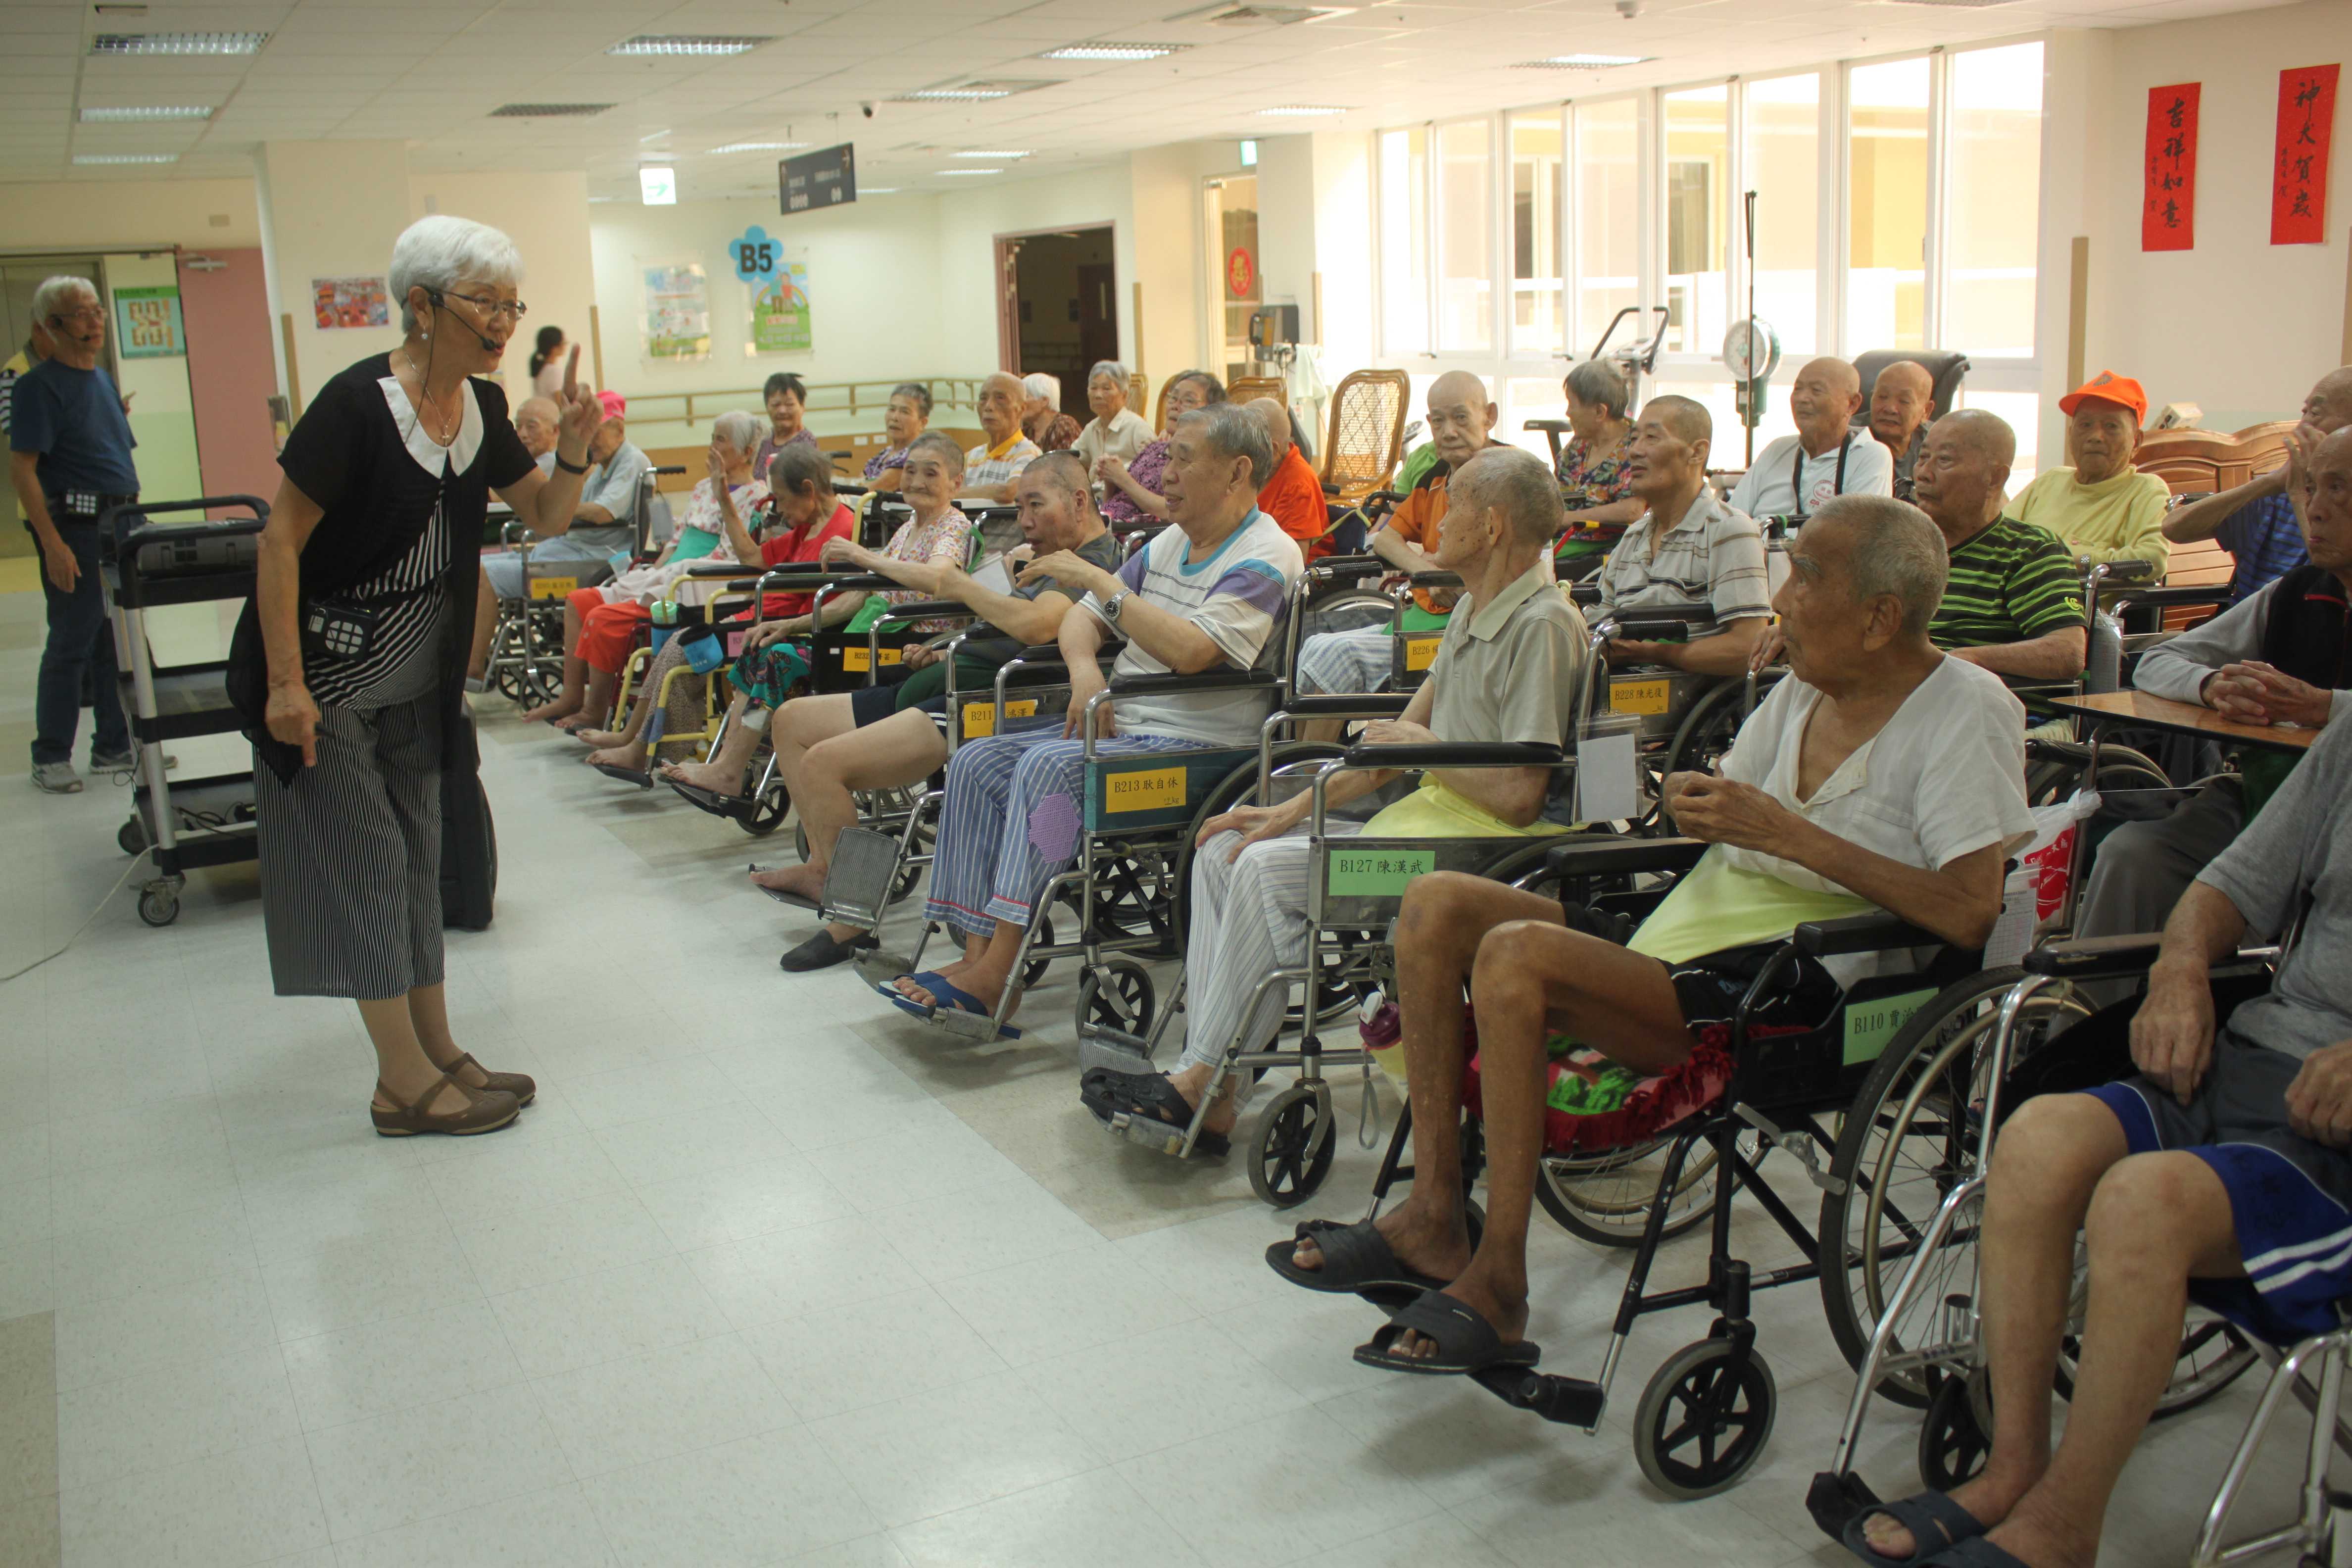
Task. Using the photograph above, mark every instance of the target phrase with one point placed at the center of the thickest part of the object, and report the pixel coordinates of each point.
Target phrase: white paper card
(1607, 788)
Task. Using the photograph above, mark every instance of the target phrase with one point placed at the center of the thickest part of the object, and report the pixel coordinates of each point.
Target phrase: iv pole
(1751, 422)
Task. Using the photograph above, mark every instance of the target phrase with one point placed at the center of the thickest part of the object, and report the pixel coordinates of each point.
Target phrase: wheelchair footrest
(881, 965)
(1149, 1131)
(857, 884)
(977, 1027)
(1569, 1401)
(1102, 1047)
(1833, 1499)
(733, 808)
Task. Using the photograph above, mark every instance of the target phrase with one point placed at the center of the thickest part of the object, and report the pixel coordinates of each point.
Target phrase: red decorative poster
(2306, 122)
(2168, 207)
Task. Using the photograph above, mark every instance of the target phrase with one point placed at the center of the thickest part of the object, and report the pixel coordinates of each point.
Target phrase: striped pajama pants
(1249, 916)
(1014, 810)
(1348, 663)
(351, 856)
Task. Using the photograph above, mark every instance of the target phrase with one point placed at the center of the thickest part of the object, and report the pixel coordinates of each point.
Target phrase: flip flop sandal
(1976, 1552)
(1466, 1341)
(641, 777)
(1937, 1523)
(1357, 1259)
(951, 998)
(1149, 1097)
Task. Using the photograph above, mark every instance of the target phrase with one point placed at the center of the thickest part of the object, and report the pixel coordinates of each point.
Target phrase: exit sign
(817, 180)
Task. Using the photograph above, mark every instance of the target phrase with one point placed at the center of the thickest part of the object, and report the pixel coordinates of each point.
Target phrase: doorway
(1058, 308)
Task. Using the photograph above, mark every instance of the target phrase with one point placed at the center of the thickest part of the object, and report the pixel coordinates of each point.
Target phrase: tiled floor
(768, 1274)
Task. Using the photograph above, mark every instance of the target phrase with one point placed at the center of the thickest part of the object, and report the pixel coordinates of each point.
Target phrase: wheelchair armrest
(672, 470)
(1435, 579)
(715, 569)
(864, 581)
(1860, 933)
(1601, 857)
(1638, 623)
(1466, 754)
(925, 609)
(1207, 680)
(1557, 427)
(2183, 594)
(1349, 568)
(2118, 573)
(1361, 705)
(2095, 957)
(1585, 594)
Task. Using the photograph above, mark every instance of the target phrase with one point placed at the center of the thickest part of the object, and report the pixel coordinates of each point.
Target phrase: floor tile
(343, 1283)
(155, 1253)
(125, 1334)
(251, 1505)
(736, 1201)
(691, 1142)
(1619, 1522)
(398, 1363)
(518, 1172)
(1080, 1522)
(1067, 1301)
(537, 1244)
(391, 1470)
(620, 1312)
(553, 1529)
(788, 1273)
(952, 1448)
(153, 1420)
(870, 1352)
(668, 1400)
(756, 1500)
(955, 1234)
(1178, 1382)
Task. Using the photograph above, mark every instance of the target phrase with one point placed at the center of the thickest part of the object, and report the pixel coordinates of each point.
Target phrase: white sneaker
(57, 778)
(122, 761)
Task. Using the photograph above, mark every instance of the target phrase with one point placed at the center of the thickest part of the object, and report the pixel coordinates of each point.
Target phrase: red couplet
(2306, 124)
(2168, 207)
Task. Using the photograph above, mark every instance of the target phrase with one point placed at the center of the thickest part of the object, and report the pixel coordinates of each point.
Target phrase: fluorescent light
(954, 172)
(178, 43)
(1302, 111)
(758, 147)
(657, 186)
(1583, 62)
(547, 110)
(1112, 51)
(126, 157)
(877, 190)
(148, 111)
(689, 44)
(1022, 153)
(953, 94)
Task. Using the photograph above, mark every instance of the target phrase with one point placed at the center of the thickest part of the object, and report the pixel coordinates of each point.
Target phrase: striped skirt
(351, 856)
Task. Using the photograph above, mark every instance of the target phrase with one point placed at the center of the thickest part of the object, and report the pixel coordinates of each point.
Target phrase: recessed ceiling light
(953, 94)
(178, 43)
(126, 157)
(1022, 153)
(147, 112)
(1302, 111)
(546, 111)
(877, 190)
(954, 172)
(689, 44)
(1112, 51)
(758, 147)
(1582, 62)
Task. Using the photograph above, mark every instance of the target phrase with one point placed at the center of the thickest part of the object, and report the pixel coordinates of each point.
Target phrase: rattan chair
(1247, 387)
(1366, 435)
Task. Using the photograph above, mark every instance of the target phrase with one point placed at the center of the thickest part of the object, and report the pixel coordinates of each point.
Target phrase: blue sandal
(1936, 1524)
(951, 997)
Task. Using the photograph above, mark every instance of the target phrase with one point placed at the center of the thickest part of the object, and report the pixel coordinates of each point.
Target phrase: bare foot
(1188, 1085)
(2044, 1534)
(600, 739)
(808, 882)
(632, 757)
(1423, 1245)
(549, 712)
(980, 985)
(1508, 1317)
(714, 778)
(1989, 1498)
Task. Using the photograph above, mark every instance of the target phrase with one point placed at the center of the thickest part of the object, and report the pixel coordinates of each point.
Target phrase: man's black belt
(87, 504)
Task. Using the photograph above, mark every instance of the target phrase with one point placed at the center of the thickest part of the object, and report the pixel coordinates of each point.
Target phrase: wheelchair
(526, 662)
(1928, 1332)
(1707, 1412)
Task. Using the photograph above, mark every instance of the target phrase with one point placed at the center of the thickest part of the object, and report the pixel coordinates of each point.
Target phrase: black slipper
(1148, 1097)
(1466, 1341)
(641, 777)
(821, 952)
(1357, 1260)
(1937, 1523)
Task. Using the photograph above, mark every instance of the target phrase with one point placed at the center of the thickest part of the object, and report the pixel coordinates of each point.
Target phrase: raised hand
(581, 414)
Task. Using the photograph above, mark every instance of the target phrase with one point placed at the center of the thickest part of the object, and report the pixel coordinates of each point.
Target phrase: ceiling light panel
(1112, 51)
(1302, 111)
(146, 111)
(1022, 154)
(126, 157)
(1581, 62)
(689, 44)
(547, 110)
(178, 43)
(757, 147)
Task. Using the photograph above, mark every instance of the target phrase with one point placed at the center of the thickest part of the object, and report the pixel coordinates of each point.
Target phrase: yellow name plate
(1644, 697)
(980, 718)
(553, 587)
(856, 657)
(1420, 653)
(1146, 789)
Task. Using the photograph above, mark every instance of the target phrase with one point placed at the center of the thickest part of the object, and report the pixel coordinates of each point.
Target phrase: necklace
(424, 404)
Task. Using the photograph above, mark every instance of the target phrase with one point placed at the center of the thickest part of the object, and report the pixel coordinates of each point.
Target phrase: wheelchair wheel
(1704, 1418)
(1350, 610)
(1953, 1442)
(1117, 995)
(1706, 731)
(1605, 1197)
(2055, 769)
(132, 837)
(1131, 900)
(2213, 1354)
(768, 813)
(1290, 1153)
(1233, 789)
(1903, 1148)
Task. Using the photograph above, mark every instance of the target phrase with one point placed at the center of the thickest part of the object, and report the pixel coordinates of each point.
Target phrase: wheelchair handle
(1635, 622)
(1207, 680)
(1602, 858)
(200, 528)
(1435, 579)
(713, 568)
(1464, 754)
(1349, 568)
(1860, 933)
(2187, 594)
(927, 609)
(1342, 705)
(672, 468)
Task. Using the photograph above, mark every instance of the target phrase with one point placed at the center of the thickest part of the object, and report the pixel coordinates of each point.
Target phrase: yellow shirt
(2120, 519)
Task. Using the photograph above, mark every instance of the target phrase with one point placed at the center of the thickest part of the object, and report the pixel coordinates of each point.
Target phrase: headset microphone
(57, 323)
(489, 345)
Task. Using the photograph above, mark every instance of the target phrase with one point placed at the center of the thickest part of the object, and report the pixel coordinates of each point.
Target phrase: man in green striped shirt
(2013, 603)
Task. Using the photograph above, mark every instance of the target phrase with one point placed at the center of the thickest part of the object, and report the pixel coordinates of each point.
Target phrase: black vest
(2302, 635)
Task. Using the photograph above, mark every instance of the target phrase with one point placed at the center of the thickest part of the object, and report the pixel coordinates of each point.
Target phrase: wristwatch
(1110, 606)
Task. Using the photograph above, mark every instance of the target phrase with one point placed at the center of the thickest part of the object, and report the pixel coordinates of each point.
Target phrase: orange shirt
(1293, 497)
(1415, 522)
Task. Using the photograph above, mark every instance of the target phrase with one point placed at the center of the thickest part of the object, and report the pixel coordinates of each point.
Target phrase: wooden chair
(2204, 462)
(1367, 437)
(1138, 387)
(1247, 387)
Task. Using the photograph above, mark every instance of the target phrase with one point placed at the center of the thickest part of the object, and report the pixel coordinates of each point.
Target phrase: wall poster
(777, 278)
(678, 312)
(147, 323)
(336, 302)
(2168, 207)
(2307, 124)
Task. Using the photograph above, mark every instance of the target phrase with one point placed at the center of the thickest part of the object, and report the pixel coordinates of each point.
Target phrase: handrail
(852, 397)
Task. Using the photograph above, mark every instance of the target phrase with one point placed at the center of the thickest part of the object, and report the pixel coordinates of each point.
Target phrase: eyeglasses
(83, 314)
(512, 310)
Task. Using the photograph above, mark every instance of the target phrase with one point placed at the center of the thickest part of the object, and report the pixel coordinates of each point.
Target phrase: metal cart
(145, 564)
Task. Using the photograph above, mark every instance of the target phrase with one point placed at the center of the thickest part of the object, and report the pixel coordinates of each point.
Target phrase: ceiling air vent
(972, 91)
(1228, 15)
(547, 110)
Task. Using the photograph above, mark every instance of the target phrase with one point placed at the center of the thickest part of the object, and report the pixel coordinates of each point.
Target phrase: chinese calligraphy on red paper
(2306, 122)
(2168, 207)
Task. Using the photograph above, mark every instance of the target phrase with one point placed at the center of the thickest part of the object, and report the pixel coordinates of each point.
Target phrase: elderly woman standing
(1115, 431)
(1131, 485)
(908, 415)
(1596, 484)
(350, 660)
(786, 396)
(1042, 419)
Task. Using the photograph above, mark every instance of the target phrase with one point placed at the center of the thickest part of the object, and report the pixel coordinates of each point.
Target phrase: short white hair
(54, 292)
(438, 252)
(1037, 383)
(1112, 368)
(739, 430)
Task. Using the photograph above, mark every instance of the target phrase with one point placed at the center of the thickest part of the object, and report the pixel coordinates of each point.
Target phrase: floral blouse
(946, 540)
(1149, 464)
(880, 462)
(1586, 481)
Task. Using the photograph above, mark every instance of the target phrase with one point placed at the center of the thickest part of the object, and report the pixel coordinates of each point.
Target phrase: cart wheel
(132, 837)
(159, 906)
(1117, 995)
(1952, 1442)
(768, 814)
(1291, 1152)
(1034, 970)
(1704, 1418)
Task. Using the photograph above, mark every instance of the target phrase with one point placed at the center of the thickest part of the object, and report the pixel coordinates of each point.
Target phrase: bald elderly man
(1688, 551)
(1293, 497)
(1827, 455)
(990, 469)
(1902, 407)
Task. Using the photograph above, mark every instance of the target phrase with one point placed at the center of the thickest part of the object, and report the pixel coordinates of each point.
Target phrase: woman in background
(547, 362)
(908, 415)
(787, 400)
(1131, 490)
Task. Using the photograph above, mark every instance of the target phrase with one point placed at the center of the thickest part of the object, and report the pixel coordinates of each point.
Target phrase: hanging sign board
(817, 180)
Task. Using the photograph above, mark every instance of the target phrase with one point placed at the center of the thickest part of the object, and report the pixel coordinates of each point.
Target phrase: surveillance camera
(866, 109)
(1629, 9)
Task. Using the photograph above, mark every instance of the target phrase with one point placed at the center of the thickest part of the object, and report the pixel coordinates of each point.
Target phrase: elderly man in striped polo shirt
(1689, 551)
(2013, 604)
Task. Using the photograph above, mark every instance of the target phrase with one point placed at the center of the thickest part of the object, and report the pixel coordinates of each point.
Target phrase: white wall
(332, 210)
(970, 221)
(2237, 325)
(117, 215)
(546, 215)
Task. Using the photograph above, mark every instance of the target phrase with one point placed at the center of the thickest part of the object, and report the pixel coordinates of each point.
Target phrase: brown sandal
(486, 1110)
(518, 1084)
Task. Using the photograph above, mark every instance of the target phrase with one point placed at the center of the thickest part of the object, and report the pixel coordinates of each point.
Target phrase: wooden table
(2182, 718)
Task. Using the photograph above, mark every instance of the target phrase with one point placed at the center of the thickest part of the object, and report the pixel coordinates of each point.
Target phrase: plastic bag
(2051, 856)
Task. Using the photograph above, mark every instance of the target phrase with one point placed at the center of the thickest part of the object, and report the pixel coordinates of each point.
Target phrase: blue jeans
(81, 650)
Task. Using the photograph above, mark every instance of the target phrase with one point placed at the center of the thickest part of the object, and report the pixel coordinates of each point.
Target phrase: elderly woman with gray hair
(349, 663)
(1042, 419)
(907, 417)
(1115, 431)
(1596, 481)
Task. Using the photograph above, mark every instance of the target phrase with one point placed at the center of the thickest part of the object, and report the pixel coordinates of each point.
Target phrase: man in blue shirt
(2256, 523)
(69, 443)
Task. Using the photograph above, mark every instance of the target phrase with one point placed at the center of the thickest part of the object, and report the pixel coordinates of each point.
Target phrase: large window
(1698, 218)
(1781, 148)
(1466, 225)
(1886, 206)
(1608, 219)
(1995, 134)
(1536, 290)
(1404, 241)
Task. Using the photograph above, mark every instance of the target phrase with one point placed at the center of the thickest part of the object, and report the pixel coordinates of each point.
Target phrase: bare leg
(403, 1069)
(984, 975)
(429, 1014)
(1328, 731)
(575, 674)
(723, 771)
(903, 749)
(486, 623)
(2045, 1165)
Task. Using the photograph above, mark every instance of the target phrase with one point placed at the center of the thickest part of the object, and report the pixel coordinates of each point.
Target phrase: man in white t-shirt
(1827, 456)
(1881, 774)
(1206, 594)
